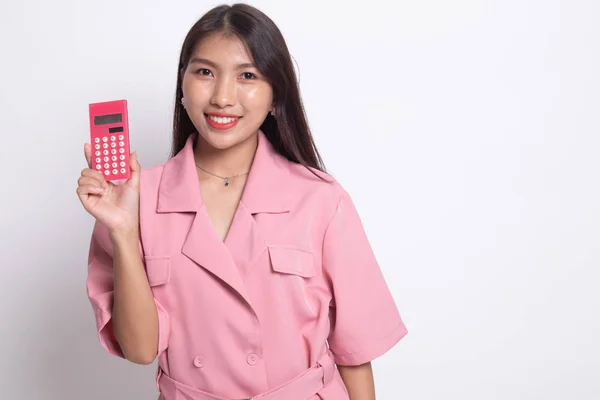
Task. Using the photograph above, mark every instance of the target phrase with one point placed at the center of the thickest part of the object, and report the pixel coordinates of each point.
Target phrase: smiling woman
(240, 263)
(222, 120)
(222, 89)
(256, 65)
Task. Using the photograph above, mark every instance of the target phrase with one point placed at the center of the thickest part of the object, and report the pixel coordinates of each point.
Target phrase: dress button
(199, 361)
(252, 359)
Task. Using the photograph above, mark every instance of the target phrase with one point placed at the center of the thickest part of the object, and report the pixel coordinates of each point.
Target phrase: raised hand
(115, 205)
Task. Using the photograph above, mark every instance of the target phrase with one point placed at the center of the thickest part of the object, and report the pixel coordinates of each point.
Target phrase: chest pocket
(158, 269)
(293, 269)
(292, 261)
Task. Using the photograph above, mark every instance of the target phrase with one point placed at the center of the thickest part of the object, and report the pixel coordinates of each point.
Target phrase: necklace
(222, 177)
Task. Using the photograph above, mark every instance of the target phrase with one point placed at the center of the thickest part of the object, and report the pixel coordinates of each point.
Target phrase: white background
(467, 133)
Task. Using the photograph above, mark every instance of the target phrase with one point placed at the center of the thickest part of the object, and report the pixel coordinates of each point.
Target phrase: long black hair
(287, 127)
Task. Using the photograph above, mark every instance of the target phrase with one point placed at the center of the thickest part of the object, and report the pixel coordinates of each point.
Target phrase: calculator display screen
(108, 119)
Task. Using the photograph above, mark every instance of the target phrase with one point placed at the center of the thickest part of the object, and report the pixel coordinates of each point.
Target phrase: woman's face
(220, 80)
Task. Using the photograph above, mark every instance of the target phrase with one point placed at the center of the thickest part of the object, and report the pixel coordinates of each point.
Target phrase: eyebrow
(198, 60)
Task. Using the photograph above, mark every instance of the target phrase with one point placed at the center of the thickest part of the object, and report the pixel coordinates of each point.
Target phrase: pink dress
(292, 291)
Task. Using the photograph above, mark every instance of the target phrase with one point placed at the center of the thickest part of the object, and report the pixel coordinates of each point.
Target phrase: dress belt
(302, 387)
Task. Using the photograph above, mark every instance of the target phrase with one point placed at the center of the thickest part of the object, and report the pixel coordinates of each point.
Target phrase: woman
(239, 263)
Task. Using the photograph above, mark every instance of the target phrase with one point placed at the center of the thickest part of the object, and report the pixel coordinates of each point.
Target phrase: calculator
(109, 135)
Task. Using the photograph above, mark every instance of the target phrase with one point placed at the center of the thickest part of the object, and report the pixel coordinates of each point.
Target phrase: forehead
(222, 48)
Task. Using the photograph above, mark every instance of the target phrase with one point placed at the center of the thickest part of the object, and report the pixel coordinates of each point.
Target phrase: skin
(359, 381)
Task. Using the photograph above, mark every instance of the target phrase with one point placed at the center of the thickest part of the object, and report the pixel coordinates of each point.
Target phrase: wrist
(125, 233)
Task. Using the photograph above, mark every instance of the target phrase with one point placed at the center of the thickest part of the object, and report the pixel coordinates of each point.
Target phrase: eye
(203, 71)
(249, 75)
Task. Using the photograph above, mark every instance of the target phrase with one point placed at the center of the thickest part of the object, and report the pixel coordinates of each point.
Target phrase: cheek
(255, 97)
(200, 97)
(196, 91)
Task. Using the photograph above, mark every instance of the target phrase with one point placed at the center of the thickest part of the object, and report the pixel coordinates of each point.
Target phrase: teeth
(220, 120)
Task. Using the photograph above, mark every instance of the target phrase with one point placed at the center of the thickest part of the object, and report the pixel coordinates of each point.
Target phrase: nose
(223, 92)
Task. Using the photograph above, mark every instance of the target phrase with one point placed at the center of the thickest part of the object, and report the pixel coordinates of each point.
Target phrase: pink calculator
(109, 134)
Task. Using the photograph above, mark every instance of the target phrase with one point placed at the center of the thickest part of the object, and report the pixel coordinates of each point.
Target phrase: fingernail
(97, 190)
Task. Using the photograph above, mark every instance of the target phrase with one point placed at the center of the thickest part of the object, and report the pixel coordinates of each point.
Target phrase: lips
(223, 115)
(222, 121)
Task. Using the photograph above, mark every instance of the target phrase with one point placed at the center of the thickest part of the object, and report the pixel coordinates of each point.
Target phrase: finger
(85, 190)
(87, 151)
(92, 173)
(135, 169)
(87, 181)
(88, 172)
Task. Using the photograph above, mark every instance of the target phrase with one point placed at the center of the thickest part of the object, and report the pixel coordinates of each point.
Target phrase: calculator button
(98, 166)
(122, 163)
(121, 137)
(105, 152)
(114, 165)
(97, 153)
(121, 144)
(114, 158)
(106, 159)
(115, 172)
(97, 140)
(123, 170)
(107, 172)
(105, 145)
(106, 166)
(122, 157)
(97, 146)
(98, 160)
(121, 150)
(113, 138)
(113, 144)
(105, 139)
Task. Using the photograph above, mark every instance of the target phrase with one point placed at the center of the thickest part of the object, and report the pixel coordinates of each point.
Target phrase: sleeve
(365, 322)
(99, 285)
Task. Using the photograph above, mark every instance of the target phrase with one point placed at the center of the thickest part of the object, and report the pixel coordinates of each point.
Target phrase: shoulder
(321, 188)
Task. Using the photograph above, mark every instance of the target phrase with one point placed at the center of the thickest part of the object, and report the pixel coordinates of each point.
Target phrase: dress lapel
(264, 192)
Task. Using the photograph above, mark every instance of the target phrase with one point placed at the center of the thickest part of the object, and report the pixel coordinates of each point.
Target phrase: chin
(223, 140)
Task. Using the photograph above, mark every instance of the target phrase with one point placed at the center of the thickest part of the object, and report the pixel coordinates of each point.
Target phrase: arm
(359, 381)
(135, 318)
(130, 323)
(365, 322)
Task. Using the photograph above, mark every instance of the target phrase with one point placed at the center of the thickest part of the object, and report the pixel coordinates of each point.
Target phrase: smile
(221, 122)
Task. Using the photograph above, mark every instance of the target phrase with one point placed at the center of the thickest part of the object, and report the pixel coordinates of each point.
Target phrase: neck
(226, 162)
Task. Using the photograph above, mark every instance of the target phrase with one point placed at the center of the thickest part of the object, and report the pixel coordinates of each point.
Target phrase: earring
(183, 102)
